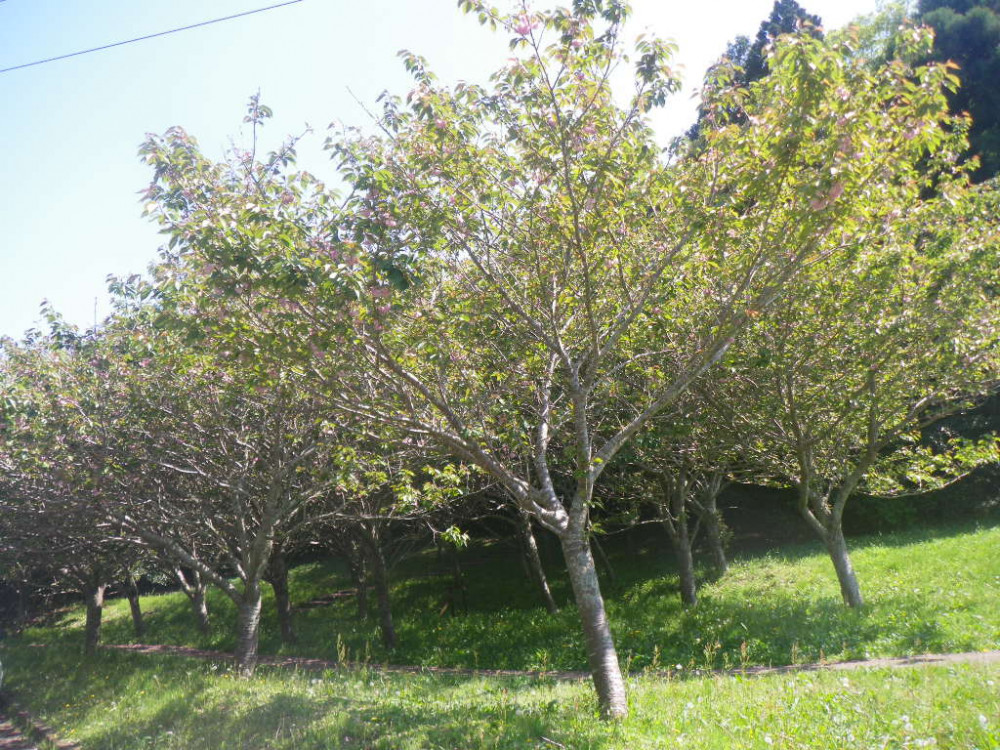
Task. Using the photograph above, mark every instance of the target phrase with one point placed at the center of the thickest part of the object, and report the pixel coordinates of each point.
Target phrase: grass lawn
(927, 592)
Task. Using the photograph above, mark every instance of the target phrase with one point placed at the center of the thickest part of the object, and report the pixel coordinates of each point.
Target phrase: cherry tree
(507, 261)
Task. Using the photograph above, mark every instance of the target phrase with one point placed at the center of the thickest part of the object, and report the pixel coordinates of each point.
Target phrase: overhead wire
(148, 36)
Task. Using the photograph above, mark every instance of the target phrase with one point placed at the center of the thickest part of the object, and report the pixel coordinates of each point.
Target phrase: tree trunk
(195, 590)
(95, 607)
(21, 615)
(278, 578)
(457, 593)
(199, 606)
(533, 563)
(601, 655)
(132, 592)
(685, 560)
(356, 563)
(836, 545)
(381, 580)
(716, 545)
(605, 562)
(248, 629)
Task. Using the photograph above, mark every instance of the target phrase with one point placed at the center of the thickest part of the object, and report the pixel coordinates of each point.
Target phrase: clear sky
(70, 129)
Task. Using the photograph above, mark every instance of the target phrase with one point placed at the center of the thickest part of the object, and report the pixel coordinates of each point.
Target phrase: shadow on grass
(773, 608)
(135, 701)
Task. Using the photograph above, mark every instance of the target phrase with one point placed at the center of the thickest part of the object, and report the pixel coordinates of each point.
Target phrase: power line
(148, 36)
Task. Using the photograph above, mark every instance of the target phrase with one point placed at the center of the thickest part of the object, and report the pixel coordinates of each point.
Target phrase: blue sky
(70, 130)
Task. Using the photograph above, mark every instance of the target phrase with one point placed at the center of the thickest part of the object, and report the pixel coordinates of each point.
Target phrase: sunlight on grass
(926, 592)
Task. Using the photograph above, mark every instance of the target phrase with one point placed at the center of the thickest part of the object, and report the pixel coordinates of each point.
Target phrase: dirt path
(11, 739)
(27, 731)
(303, 663)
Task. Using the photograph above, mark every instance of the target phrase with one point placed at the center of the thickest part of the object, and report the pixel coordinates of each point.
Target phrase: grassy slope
(925, 594)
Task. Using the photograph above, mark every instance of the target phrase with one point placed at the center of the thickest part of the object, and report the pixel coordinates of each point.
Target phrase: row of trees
(518, 287)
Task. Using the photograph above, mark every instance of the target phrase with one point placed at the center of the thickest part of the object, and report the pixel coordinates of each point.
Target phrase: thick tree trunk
(132, 592)
(278, 578)
(248, 629)
(381, 580)
(836, 545)
(533, 563)
(95, 608)
(601, 655)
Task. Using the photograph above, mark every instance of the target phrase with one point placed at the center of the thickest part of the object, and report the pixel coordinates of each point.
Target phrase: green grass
(927, 591)
(120, 701)
(935, 593)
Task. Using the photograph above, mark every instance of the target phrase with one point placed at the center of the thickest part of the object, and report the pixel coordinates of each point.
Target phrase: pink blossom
(381, 292)
(523, 26)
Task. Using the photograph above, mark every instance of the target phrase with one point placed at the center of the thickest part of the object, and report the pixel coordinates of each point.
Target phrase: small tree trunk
(195, 590)
(248, 629)
(675, 521)
(533, 563)
(716, 545)
(21, 615)
(685, 560)
(359, 575)
(199, 605)
(458, 587)
(601, 654)
(836, 545)
(132, 592)
(605, 562)
(381, 580)
(278, 578)
(95, 607)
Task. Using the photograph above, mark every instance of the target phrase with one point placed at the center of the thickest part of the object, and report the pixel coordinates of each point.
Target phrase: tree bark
(533, 563)
(132, 592)
(278, 578)
(836, 545)
(601, 654)
(94, 594)
(381, 580)
(248, 630)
